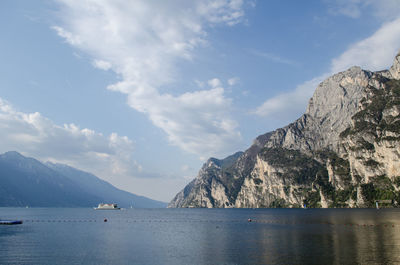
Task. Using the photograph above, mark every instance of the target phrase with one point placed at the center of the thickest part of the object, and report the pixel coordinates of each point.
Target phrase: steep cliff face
(343, 152)
(212, 186)
(371, 144)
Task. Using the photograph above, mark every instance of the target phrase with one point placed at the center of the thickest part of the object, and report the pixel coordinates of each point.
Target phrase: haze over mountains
(25, 181)
(343, 152)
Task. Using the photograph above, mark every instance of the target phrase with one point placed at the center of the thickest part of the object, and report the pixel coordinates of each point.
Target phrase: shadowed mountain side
(27, 182)
(107, 192)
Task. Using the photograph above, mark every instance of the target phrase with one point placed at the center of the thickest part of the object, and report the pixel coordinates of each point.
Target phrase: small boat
(107, 206)
(10, 222)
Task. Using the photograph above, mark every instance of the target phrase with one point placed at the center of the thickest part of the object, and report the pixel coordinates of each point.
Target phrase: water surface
(201, 236)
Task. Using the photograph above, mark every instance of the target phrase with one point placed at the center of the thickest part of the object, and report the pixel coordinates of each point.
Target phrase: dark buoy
(105, 220)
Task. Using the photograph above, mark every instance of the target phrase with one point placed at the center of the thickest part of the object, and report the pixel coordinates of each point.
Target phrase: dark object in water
(10, 222)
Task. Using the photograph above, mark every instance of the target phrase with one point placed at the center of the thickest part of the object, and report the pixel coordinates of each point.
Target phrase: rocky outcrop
(395, 69)
(343, 152)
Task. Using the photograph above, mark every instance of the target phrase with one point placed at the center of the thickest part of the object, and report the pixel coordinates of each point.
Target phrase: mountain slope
(91, 184)
(343, 152)
(27, 182)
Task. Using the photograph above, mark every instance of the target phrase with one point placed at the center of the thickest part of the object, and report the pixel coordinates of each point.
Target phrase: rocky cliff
(343, 152)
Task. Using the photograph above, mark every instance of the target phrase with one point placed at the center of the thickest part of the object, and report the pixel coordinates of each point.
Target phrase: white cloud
(71, 39)
(109, 157)
(221, 11)
(215, 82)
(373, 53)
(103, 65)
(144, 40)
(233, 81)
(195, 121)
(288, 106)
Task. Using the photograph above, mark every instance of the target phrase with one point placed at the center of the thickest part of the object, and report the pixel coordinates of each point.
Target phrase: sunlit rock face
(343, 152)
(395, 69)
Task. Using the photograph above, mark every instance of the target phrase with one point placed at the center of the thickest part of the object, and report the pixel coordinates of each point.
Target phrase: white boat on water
(107, 206)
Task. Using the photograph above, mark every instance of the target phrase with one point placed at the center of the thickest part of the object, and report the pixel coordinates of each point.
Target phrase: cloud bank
(32, 134)
(142, 41)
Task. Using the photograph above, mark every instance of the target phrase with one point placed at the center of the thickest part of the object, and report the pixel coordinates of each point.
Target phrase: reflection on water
(366, 237)
(201, 236)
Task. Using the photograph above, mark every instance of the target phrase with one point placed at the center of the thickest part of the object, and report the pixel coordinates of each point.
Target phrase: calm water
(200, 236)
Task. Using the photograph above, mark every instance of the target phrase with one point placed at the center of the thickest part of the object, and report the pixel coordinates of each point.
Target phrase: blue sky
(141, 93)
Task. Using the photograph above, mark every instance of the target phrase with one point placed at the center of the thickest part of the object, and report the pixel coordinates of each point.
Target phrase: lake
(200, 236)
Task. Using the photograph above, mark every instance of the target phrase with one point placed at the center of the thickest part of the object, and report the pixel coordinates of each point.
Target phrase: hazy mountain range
(25, 181)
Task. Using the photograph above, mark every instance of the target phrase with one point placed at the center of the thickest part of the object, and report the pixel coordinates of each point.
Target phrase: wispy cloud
(233, 81)
(349, 8)
(215, 82)
(373, 53)
(144, 53)
(103, 65)
(385, 10)
(290, 105)
(273, 57)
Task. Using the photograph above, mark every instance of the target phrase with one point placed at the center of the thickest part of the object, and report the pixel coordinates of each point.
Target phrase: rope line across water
(269, 222)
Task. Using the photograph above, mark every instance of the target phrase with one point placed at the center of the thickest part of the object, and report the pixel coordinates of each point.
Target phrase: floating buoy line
(249, 220)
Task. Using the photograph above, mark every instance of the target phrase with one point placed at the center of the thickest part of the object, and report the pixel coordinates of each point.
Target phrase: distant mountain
(25, 181)
(343, 152)
(91, 184)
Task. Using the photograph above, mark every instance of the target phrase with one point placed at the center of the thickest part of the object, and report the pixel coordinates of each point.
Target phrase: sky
(141, 93)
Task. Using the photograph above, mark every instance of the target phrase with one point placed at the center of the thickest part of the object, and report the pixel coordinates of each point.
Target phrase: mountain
(25, 181)
(91, 184)
(343, 152)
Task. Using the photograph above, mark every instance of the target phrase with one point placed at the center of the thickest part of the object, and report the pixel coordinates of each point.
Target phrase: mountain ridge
(320, 169)
(26, 181)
